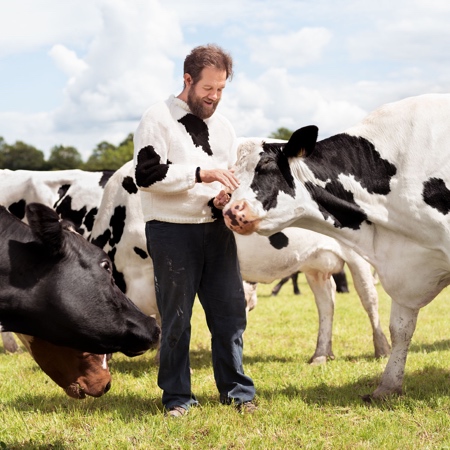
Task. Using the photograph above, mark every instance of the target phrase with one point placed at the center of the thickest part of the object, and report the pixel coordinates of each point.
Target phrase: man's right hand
(223, 176)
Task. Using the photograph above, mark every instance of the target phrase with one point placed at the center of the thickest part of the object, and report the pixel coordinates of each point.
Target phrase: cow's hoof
(318, 360)
(367, 398)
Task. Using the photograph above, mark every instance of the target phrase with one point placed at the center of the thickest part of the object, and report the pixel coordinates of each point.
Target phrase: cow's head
(65, 293)
(78, 373)
(267, 199)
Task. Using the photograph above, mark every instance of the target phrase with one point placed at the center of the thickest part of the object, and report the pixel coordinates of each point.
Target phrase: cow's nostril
(107, 387)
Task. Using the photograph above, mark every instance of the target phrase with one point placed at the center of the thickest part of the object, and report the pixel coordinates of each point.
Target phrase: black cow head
(57, 286)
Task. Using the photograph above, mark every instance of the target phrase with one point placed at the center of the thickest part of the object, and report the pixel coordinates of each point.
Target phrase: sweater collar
(178, 102)
(182, 104)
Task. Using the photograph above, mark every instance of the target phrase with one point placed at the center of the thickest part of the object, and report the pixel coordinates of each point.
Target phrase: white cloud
(26, 25)
(67, 60)
(293, 49)
(296, 62)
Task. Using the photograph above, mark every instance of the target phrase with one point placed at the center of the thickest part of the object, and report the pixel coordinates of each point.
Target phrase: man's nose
(213, 95)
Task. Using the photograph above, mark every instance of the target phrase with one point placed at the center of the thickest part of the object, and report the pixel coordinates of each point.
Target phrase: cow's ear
(302, 142)
(46, 226)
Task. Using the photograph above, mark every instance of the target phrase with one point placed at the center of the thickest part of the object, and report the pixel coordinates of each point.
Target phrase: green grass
(300, 406)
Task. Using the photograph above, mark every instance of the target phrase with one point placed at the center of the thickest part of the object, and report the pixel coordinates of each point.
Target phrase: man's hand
(226, 177)
(221, 199)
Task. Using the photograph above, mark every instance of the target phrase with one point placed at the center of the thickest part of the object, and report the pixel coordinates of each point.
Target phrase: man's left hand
(221, 199)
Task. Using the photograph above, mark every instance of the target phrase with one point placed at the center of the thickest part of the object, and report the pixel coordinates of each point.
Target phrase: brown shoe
(246, 407)
(176, 411)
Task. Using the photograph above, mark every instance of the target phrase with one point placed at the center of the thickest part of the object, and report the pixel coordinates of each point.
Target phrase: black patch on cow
(64, 209)
(272, 176)
(102, 239)
(343, 154)
(335, 202)
(90, 218)
(106, 175)
(18, 209)
(198, 130)
(62, 191)
(119, 279)
(216, 213)
(279, 240)
(437, 195)
(117, 223)
(149, 168)
(142, 253)
(129, 185)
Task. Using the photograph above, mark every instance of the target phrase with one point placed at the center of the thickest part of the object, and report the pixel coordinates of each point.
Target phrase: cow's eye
(106, 265)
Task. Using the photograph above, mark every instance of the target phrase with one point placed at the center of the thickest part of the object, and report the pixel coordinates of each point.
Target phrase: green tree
(126, 149)
(2, 151)
(106, 156)
(281, 133)
(22, 156)
(64, 158)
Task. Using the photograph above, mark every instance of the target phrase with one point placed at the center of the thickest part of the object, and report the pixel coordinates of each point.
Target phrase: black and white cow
(339, 278)
(57, 286)
(119, 229)
(382, 187)
(74, 194)
(265, 259)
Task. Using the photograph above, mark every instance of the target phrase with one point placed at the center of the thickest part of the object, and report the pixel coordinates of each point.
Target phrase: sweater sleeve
(153, 170)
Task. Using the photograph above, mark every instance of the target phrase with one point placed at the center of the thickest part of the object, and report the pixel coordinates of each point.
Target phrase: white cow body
(120, 230)
(318, 257)
(381, 187)
(74, 194)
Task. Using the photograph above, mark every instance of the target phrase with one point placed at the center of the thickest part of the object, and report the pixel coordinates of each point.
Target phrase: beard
(197, 106)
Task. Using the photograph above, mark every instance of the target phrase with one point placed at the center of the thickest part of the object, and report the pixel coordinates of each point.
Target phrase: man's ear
(188, 81)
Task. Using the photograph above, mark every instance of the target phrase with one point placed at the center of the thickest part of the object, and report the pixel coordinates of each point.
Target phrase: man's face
(205, 95)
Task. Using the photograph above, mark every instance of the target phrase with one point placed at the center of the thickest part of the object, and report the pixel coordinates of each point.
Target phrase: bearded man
(183, 155)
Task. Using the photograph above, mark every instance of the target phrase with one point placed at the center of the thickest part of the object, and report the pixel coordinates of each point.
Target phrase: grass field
(300, 406)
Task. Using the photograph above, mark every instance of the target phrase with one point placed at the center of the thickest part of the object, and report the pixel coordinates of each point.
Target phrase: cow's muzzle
(239, 218)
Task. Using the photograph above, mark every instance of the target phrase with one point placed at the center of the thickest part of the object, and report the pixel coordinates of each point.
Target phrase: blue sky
(77, 72)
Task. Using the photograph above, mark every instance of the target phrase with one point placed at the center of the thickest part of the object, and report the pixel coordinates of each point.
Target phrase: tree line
(105, 155)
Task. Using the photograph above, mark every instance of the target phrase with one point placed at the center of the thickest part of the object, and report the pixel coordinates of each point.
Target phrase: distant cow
(58, 287)
(74, 194)
(78, 373)
(339, 278)
(265, 259)
(119, 229)
(382, 187)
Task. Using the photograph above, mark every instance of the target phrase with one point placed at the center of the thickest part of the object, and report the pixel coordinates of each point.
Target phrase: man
(183, 155)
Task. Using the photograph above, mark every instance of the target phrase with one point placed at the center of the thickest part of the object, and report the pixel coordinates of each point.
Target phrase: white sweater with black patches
(169, 144)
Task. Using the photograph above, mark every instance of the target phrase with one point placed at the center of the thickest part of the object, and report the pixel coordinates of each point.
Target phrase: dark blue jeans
(201, 259)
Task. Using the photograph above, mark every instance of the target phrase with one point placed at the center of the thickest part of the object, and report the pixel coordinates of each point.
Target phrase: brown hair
(210, 55)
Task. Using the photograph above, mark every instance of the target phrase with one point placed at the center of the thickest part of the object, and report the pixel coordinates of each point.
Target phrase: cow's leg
(278, 286)
(363, 281)
(294, 278)
(402, 325)
(341, 282)
(9, 343)
(324, 290)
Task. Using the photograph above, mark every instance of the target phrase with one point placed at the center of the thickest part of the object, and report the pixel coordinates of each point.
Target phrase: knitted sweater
(169, 144)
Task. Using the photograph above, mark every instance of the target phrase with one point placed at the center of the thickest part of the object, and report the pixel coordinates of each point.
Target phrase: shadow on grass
(426, 385)
(55, 445)
(430, 347)
(200, 359)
